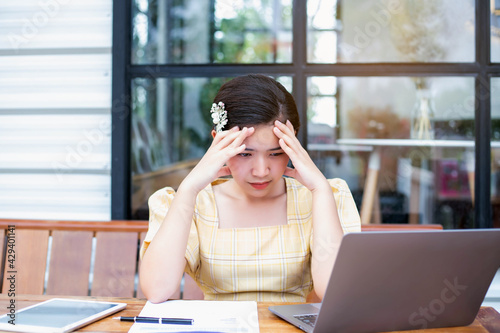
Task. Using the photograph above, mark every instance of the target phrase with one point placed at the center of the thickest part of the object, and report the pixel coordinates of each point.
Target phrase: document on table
(209, 316)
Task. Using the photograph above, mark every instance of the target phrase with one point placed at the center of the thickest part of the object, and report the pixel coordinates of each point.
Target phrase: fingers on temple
(220, 136)
(230, 136)
(243, 134)
(286, 128)
(287, 138)
(285, 132)
(234, 140)
(286, 148)
(290, 126)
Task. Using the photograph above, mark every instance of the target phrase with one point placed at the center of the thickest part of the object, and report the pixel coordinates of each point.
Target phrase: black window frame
(482, 70)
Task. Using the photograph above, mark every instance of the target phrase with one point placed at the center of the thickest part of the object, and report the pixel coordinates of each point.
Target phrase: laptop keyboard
(308, 319)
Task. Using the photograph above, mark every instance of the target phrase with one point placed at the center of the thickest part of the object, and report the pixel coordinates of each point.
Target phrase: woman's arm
(327, 236)
(164, 261)
(327, 231)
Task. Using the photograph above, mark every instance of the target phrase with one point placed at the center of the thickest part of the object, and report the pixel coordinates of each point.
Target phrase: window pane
(390, 31)
(423, 174)
(403, 107)
(220, 31)
(171, 125)
(495, 31)
(495, 150)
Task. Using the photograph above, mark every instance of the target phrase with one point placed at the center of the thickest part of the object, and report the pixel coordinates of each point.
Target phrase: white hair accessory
(219, 116)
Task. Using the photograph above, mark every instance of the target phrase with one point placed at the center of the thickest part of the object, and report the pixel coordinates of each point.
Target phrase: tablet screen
(62, 313)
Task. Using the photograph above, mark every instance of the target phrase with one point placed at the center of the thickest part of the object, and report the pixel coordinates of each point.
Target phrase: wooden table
(487, 320)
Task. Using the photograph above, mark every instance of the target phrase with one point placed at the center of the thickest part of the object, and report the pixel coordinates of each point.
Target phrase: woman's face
(259, 169)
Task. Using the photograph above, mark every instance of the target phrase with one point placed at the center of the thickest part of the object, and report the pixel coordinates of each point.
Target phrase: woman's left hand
(305, 171)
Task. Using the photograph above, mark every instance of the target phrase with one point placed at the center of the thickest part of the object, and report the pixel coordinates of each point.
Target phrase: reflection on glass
(495, 150)
(220, 31)
(495, 31)
(418, 181)
(390, 31)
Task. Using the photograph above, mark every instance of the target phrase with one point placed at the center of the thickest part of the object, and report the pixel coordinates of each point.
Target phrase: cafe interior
(105, 102)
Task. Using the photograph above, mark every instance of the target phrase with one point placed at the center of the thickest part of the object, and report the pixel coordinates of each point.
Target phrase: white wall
(55, 109)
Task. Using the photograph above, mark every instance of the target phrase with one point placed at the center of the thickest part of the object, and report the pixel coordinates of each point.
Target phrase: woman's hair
(256, 99)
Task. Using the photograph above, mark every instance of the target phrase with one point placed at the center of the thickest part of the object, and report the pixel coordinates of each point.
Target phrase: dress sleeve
(159, 203)
(158, 207)
(346, 207)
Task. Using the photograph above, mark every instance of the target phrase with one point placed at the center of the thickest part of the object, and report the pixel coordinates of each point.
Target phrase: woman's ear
(213, 133)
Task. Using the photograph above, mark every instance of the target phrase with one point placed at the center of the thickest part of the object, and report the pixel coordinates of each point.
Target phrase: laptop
(403, 280)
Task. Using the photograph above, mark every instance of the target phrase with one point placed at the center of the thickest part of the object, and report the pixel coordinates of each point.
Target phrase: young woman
(255, 235)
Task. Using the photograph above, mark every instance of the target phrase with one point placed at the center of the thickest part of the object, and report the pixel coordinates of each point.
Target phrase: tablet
(57, 315)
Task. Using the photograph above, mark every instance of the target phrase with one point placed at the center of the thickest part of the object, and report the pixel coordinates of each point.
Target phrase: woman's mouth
(261, 185)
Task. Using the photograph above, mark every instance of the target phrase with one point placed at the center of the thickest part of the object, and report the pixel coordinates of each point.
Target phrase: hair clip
(219, 116)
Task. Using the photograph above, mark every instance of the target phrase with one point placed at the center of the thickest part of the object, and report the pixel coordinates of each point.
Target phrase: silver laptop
(402, 280)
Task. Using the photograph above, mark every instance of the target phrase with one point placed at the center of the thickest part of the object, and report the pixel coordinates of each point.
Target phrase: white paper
(209, 316)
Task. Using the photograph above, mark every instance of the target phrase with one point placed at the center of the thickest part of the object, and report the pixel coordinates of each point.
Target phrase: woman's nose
(260, 167)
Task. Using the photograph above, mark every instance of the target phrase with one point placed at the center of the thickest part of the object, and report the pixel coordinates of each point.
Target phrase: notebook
(56, 315)
(208, 316)
(402, 280)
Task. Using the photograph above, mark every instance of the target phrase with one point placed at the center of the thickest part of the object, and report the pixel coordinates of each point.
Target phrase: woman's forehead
(262, 139)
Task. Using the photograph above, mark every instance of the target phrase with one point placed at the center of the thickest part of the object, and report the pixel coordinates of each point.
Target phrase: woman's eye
(244, 154)
(276, 154)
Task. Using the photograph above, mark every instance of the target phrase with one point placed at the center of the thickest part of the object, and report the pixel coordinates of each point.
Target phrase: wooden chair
(76, 258)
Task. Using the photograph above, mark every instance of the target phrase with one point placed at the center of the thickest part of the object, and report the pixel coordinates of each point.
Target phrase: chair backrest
(72, 258)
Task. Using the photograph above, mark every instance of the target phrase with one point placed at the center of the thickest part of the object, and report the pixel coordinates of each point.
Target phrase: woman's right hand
(225, 145)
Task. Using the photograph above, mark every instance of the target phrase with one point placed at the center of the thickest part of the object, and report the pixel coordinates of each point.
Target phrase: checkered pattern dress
(270, 263)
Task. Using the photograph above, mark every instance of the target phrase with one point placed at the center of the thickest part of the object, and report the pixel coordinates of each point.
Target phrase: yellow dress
(261, 263)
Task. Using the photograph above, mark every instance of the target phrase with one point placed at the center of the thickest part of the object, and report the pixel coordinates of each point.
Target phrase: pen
(153, 320)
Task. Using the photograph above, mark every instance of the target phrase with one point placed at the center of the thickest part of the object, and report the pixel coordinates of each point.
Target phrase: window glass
(390, 31)
(423, 173)
(495, 150)
(220, 31)
(495, 31)
(322, 115)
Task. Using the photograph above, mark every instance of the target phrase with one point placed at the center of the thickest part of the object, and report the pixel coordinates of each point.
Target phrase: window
(405, 81)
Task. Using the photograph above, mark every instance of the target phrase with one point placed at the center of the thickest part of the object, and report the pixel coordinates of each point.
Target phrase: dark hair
(257, 100)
